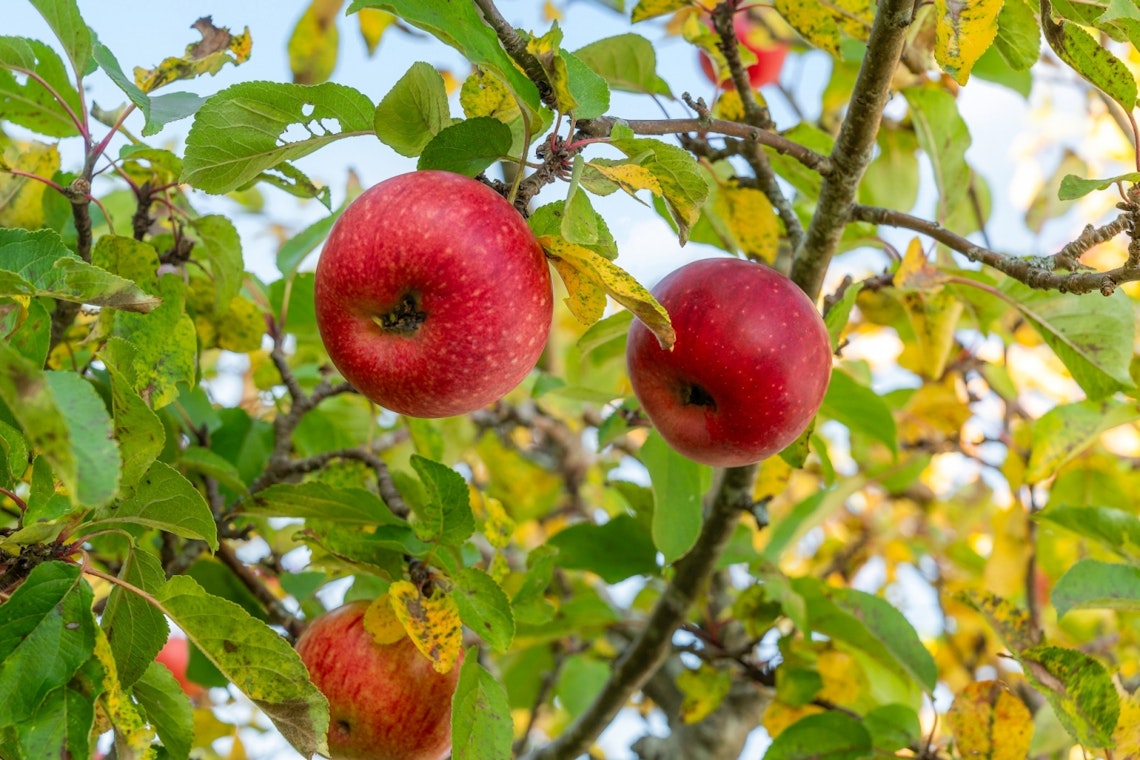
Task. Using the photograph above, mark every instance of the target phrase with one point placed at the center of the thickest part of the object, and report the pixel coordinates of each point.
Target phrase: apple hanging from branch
(433, 297)
(749, 369)
(386, 701)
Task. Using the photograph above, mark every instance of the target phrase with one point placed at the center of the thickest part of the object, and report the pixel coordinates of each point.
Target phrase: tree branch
(852, 151)
(1037, 272)
(654, 643)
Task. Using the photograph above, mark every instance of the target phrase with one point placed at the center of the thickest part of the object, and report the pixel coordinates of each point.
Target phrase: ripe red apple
(749, 369)
(770, 54)
(175, 655)
(433, 296)
(386, 701)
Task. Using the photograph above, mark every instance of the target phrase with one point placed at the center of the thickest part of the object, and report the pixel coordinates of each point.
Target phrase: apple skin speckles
(478, 278)
(750, 367)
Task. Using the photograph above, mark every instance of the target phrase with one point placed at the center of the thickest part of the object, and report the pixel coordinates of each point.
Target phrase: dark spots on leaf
(229, 646)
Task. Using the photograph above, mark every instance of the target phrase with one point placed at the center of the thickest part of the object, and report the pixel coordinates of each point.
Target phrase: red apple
(386, 701)
(433, 296)
(175, 655)
(770, 54)
(749, 369)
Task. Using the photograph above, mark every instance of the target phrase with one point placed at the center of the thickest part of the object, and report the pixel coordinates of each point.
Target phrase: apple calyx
(693, 394)
(405, 317)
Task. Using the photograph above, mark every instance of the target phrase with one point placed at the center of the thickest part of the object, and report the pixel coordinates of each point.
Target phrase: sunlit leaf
(1079, 689)
(313, 45)
(1091, 60)
(216, 48)
(965, 31)
(833, 735)
(414, 111)
(1065, 431)
(678, 485)
(627, 62)
(1093, 584)
(30, 104)
(1115, 529)
(703, 689)
(990, 722)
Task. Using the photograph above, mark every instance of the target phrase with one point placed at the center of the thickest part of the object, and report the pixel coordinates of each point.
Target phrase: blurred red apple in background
(770, 53)
(175, 655)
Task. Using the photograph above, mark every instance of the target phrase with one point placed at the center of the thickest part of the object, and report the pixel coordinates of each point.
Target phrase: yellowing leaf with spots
(933, 311)
(965, 29)
(547, 51)
(629, 177)
(497, 525)
(585, 298)
(817, 25)
(652, 8)
(588, 270)
(855, 17)
(432, 622)
(1126, 737)
(217, 48)
(21, 198)
(751, 220)
(242, 326)
(313, 44)
(130, 727)
(703, 689)
(990, 723)
(484, 94)
(380, 620)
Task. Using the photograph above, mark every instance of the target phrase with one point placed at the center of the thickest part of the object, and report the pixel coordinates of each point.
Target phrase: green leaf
(467, 147)
(461, 26)
(39, 264)
(806, 180)
(590, 91)
(618, 549)
(138, 429)
(839, 313)
(1019, 34)
(830, 735)
(481, 726)
(893, 727)
(552, 218)
(1115, 529)
(90, 431)
(200, 460)
(318, 501)
(414, 111)
(860, 409)
(294, 250)
(256, 659)
(679, 485)
(484, 607)
(944, 138)
(219, 247)
(647, 9)
(1079, 689)
(627, 62)
(166, 708)
(871, 624)
(31, 105)
(64, 19)
(681, 181)
(24, 389)
(447, 515)
(1064, 432)
(250, 127)
(1074, 187)
(165, 500)
(135, 629)
(47, 633)
(1091, 336)
(580, 681)
(62, 723)
(807, 514)
(1093, 584)
(165, 343)
(158, 110)
(1091, 60)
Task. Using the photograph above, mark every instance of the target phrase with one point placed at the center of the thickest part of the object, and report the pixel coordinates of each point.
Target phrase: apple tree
(944, 564)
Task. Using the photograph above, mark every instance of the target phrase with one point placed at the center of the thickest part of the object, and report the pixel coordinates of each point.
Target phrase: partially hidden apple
(770, 54)
(175, 655)
(433, 296)
(386, 701)
(749, 369)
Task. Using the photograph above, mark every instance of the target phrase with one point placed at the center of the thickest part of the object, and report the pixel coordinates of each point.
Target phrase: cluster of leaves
(127, 490)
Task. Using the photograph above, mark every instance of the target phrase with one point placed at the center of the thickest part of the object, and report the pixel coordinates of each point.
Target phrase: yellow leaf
(132, 730)
(652, 8)
(935, 412)
(1126, 737)
(241, 326)
(313, 44)
(591, 270)
(772, 479)
(380, 620)
(629, 177)
(965, 29)
(779, 716)
(703, 689)
(498, 527)
(217, 48)
(484, 94)
(844, 681)
(989, 722)
(933, 312)
(21, 198)
(1006, 566)
(547, 51)
(817, 25)
(432, 622)
(373, 24)
(730, 107)
(550, 11)
(751, 220)
(586, 299)
(855, 17)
